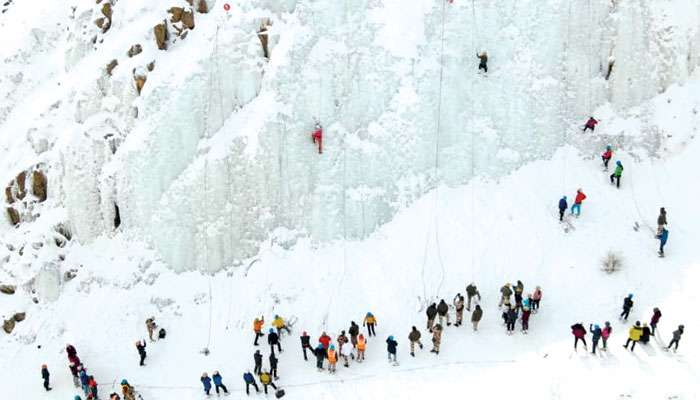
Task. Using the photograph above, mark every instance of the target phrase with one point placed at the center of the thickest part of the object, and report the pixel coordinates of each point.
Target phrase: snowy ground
(214, 189)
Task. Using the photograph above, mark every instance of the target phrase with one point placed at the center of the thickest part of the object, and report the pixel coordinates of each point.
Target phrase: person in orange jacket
(361, 346)
(332, 359)
(580, 197)
(257, 327)
(317, 137)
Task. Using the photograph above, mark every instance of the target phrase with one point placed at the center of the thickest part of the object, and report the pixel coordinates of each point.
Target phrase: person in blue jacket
(597, 333)
(250, 380)
(663, 238)
(563, 206)
(391, 348)
(206, 381)
(218, 382)
(84, 381)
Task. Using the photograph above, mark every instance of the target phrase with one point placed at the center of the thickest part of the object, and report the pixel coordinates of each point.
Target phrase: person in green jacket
(617, 174)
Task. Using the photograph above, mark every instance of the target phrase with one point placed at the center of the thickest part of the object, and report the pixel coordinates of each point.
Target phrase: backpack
(161, 333)
(279, 394)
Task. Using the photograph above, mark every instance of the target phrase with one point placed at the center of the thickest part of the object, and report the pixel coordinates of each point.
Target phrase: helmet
(271, 330)
(681, 327)
(204, 375)
(332, 347)
(391, 338)
(303, 333)
(125, 382)
(596, 327)
(564, 197)
(618, 162)
(607, 323)
(369, 314)
(630, 295)
(216, 372)
(76, 397)
(637, 323)
(609, 147)
(276, 316)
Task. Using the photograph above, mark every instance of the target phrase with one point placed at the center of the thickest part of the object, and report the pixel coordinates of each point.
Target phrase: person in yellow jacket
(635, 335)
(370, 321)
(361, 346)
(332, 359)
(266, 380)
(257, 328)
(279, 324)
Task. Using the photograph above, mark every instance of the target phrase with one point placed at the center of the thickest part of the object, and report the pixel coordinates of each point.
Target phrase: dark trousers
(661, 248)
(605, 343)
(535, 304)
(673, 341)
(653, 329)
(510, 325)
(207, 390)
(272, 347)
(576, 339)
(143, 358)
(628, 342)
(319, 363)
(591, 127)
(279, 331)
(273, 372)
(248, 385)
(303, 348)
(370, 330)
(223, 387)
(615, 177)
(561, 214)
(484, 67)
(269, 384)
(605, 162)
(46, 385)
(625, 314)
(258, 369)
(595, 345)
(258, 335)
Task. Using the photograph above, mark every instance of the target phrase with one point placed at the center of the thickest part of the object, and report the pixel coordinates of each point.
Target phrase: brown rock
(8, 195)
(107, 10)
(151, 65)
(110, 67)
(13, 215)
(39, 185)
(262, 35)
(161, 32)
(176, 14)
(140, 82)
(21, 180)
(134, 50)
(8, 325)
(8, 289)
(188, 19)
(19, 317)
(202, 6)
(100, 22)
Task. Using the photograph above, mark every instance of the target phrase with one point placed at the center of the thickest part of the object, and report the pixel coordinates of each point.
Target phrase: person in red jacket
(590, 124)
(317, 137)
(325, 341)
(579, 333)
(580, 197)
(607, 156)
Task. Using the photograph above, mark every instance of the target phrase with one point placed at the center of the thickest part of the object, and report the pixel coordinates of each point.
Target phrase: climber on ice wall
(317, 137)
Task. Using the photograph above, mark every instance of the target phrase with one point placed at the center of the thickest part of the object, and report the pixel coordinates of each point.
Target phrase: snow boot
(413, 354)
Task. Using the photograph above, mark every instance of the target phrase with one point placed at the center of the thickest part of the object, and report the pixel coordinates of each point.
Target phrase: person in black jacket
(443, 314)
(354, 330)
(391, 345)
(646, 333)
(320, 354)
(257, 357)
(273, 366)
(141, 347)
(431, 312)
(563, 206)
(627, 307)
(483, 61)
(511, 317)
(45, 376)
(273, 340)
(305, 344)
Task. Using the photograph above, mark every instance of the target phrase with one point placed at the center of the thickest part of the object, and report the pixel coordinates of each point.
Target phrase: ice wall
(215, 154)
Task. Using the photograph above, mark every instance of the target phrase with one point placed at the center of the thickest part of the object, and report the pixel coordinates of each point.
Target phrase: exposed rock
(176, 14)
(110, 67)
(188, 19)
(8, 289)
(8, 325)
(8, 195)
(107, 10)
(140, 81)
(21, 180)
(19, 317)
(13, 215)
(262, 35)
(202, 6)
(151, 65)
(70, 275)
(39, 185)
(134, 50)
(100, 22)
(161, 32)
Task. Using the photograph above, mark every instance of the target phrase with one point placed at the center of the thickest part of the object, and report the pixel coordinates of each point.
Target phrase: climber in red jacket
(317, 137)
(590, 124)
